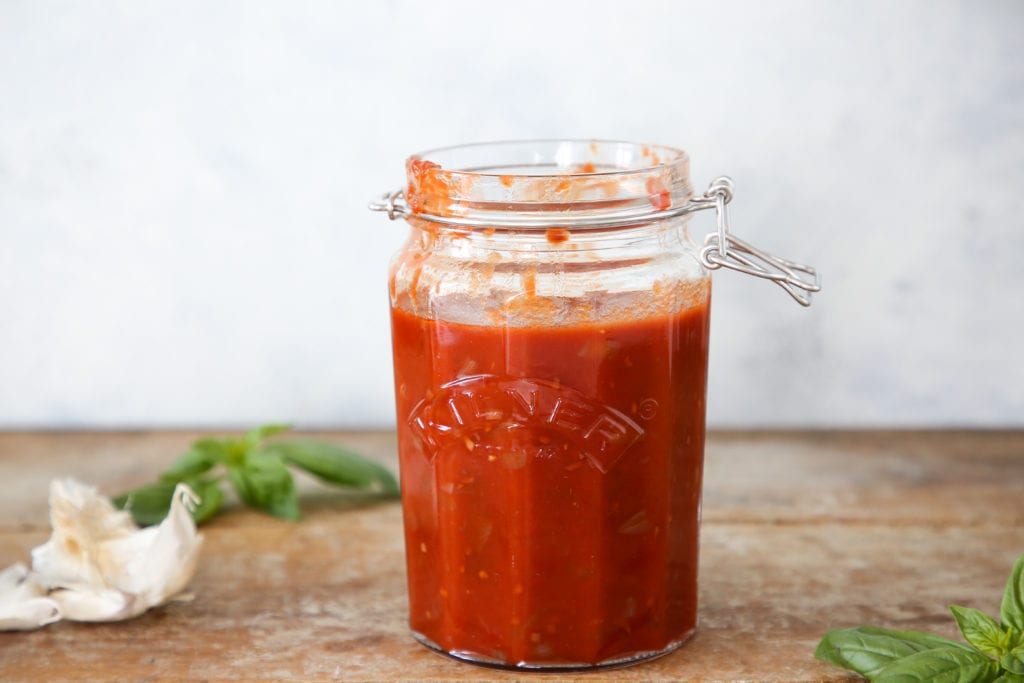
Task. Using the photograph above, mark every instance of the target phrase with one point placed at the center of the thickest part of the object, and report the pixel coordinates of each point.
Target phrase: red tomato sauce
(551, 482)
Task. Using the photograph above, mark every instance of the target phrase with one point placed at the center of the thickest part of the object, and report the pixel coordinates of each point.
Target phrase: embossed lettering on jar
(550, 374)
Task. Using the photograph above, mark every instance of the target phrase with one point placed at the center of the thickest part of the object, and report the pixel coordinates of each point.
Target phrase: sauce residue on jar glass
(439, 191)
(557, 235)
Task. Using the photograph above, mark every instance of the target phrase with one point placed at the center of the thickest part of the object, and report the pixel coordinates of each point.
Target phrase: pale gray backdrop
(183, 238)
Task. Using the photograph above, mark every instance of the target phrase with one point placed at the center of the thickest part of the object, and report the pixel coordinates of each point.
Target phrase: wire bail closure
(391, 203)
(721, 249)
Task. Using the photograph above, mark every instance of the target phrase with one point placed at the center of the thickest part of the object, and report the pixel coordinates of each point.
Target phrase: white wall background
(184, 240)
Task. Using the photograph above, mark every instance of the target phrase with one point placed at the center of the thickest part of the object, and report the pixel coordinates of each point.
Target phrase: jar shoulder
(460, 281)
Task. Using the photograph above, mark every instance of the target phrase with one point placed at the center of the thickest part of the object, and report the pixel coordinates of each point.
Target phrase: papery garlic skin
(156, 563)
(23, 603)
(98, 565)
(83, 522)
(86, 602)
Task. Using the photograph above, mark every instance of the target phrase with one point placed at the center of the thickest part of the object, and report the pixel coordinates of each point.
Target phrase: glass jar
(550, 334)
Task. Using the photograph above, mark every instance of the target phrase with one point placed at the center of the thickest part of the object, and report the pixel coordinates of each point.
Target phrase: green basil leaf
(1010, 678)
(981, 631)
(211, 498)
(214, 449)
(1012, 610)
(228, 451)
(265, 483)
(150, 504)
(1013, 661)
(253, 437)
(192, 463)
(335, 465)
(942, 665)
(867, 650)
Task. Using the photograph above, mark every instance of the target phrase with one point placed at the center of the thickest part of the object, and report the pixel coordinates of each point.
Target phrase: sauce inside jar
(551, 480)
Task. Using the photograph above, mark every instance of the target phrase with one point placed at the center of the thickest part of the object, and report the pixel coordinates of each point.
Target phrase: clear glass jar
(550, 334)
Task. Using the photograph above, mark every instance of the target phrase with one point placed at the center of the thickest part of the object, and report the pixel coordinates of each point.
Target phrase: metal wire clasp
(722, 249)
(391, 203)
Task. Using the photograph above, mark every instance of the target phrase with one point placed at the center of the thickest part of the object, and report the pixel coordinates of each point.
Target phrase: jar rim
(533, 183)
(656, 156)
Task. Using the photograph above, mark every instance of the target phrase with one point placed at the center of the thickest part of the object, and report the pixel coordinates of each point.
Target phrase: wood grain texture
(802, 532)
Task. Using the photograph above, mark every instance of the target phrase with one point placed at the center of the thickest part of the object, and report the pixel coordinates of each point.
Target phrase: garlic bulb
(99, 566)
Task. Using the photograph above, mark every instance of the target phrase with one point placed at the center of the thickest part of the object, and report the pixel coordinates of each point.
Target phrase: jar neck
(544, 185)
(655, 235)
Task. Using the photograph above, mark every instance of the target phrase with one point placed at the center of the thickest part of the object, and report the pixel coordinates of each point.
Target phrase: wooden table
(803, 532)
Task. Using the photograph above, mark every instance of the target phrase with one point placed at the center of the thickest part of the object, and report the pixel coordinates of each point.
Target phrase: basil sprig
(259, 473)
(995, 653)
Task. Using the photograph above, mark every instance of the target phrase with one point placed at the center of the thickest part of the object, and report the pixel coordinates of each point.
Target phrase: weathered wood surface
(802, 532)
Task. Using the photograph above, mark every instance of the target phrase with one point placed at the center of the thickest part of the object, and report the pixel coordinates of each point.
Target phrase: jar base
(555, 667)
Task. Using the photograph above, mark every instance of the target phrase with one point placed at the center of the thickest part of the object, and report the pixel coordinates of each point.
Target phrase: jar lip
(536, 183)
(657, 156)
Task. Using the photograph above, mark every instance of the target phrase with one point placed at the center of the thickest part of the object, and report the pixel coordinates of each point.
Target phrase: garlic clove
(84, 602)
(23, 603)
(156, 563)
(99, 566)
(82, 520)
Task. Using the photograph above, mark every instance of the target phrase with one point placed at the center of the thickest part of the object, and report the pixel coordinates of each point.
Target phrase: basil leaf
(335, 465)
(253, 437)
(981, 630)
(214, 449)
(1010, 678)
(192, 463)
(1012, 610)
(867, 650)
(150, 504)
(919, 639)
(211, 498)
(230, 452)
(943, 665)
(1013, 661)
(264, 482)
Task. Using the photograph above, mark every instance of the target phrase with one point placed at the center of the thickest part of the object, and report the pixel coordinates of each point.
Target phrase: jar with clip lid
(550, 334)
